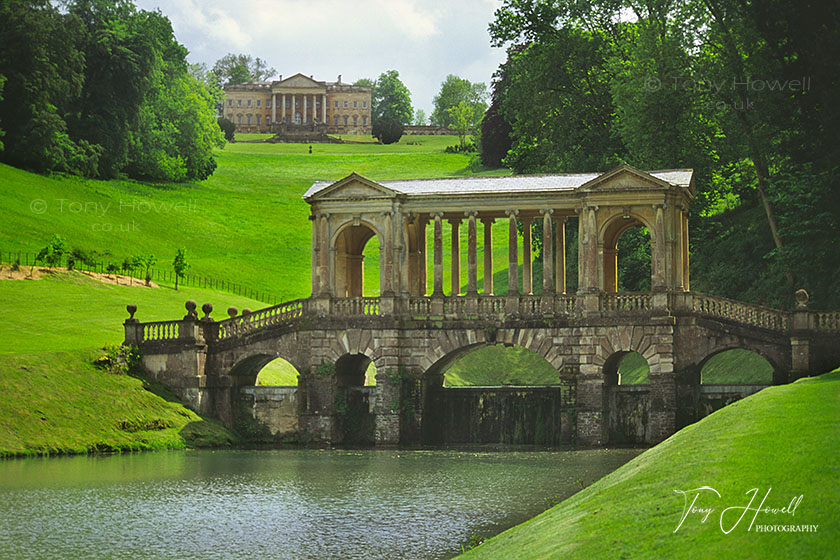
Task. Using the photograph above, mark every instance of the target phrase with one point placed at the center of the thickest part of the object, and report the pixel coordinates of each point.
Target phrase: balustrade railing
(566, 304)
(368, 306)
(491, 305)
(530, 305)
(454, 306)
(261, 318)
(161, 330)
(827, 321)
(745, 313)
(626, 301)
(420, 306)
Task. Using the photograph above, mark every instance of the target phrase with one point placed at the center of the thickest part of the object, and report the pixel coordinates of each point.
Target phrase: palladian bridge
(412, 334)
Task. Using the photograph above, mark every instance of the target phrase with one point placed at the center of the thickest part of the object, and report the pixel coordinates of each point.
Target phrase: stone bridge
(411, 336)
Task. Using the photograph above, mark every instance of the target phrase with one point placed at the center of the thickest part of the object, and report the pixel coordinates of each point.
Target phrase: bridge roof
(513, 183)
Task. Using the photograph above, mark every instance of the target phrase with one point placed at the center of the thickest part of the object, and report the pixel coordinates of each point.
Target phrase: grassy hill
(783, 440)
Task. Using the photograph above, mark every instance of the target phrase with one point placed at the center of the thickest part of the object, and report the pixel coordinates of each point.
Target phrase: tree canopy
(453, 91)
(390, 98)
(742, 92)
(240, 68)
(102, 89)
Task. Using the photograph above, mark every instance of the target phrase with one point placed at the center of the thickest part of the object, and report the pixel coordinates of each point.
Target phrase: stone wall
(276, 408)
(629, 414)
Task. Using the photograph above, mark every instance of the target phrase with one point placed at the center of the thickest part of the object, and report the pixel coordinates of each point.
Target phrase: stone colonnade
(309, 106)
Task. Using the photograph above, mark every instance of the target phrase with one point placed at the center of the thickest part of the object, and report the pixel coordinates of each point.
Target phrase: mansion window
(355, 104)
(249, 103)
(239, 119)
(258, 102)
(345, 121)
(239, 103)
(336, 106)
(230, 102)
(345, 104)
(335, 119)
(355, 121)
(249, 119)
(258, 120)
(364, 121)
(364, 104)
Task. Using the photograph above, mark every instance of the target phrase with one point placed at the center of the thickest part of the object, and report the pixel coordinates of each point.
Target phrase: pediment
(299, 81)
(624, 178)
(353, 187)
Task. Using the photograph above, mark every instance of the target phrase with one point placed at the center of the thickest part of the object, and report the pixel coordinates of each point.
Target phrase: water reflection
(280, 504)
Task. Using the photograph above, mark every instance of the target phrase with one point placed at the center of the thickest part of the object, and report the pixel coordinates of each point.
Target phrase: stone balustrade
(161, 330)
(827, 321)
(249, 321)
(739, 312)
(626, 301)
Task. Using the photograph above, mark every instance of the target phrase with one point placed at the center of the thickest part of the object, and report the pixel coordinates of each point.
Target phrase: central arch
(349, 259)
(612, 233)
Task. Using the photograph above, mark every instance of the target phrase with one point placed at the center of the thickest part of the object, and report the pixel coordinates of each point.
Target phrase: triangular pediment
(625, 178)
(352, 187)
(299, 81)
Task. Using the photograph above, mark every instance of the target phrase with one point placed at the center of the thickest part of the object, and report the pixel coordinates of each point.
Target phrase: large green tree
(391, 98)
(453, 91)
(239, 68)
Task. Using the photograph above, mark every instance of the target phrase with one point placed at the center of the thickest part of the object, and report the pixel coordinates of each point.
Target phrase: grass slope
(783, 438)
(61, 403)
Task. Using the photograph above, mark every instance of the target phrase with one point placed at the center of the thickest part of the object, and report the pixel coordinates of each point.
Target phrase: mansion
(298, 100)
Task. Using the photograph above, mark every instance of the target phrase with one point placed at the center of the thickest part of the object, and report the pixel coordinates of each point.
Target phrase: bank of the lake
(60, 403)
(783, 441)
(280, 504)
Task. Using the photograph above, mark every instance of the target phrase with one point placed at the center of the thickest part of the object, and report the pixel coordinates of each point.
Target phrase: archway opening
(627, 256)
(354, 245)
(627, 398)
(277, 373)
(737, 366)
(497, 394)
(354, 398)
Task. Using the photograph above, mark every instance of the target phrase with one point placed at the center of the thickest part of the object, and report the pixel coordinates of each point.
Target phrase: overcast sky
(423, 39)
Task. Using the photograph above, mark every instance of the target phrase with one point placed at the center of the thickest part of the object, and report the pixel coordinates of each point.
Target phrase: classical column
(325, 254)
(488, 256)
(438, 248)
(324, 109)
(513, 259)
(560, 254)
(314, 109)
(548, 252)
(387, 283)
(686, 283)
(303, 109)
(588, 250)
(472, 266)
(283, 107)
(658, 280)
(273, 107)
(456, 256)
(292, 117)
(316, 252)
(421, 256)
(527, 273)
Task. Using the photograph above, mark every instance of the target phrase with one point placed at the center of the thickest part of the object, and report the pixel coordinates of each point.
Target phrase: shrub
(387, 130)
(228, 128)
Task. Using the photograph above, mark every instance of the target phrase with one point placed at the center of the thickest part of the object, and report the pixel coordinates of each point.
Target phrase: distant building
(298, 100)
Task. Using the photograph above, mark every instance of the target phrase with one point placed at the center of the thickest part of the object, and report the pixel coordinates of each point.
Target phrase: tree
(387, 130)
(2, 83)
(180, 265)
(211, 83)
(391, 98)
(147, 262)
(419, 117)
(52, 253)
(365, 82)
(455, 90)
(463, 117)
(228, 128)
(239, 68)
(495, 130)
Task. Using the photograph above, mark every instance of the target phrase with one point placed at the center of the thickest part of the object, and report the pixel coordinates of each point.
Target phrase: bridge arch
(777, 377)
(349, 243)
(246, 369)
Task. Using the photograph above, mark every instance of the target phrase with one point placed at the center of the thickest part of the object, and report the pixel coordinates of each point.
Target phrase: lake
(307, 503)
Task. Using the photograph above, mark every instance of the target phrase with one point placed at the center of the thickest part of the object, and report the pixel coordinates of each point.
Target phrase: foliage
(228, 128)
(387, 130)
(180, 265)
(2, 83)
(325, 369)
(463, 116)
(53, 252)
(239, 68)
(391, 99)
(211, 82)
(119, 360)
(495, 130)
(453, 92)
(420, 117)
(100, 89)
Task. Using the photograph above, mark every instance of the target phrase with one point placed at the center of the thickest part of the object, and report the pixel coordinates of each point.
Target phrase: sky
(424, 40)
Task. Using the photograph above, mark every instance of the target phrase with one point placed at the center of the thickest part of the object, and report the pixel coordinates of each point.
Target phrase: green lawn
(60, 403)
(783, 440)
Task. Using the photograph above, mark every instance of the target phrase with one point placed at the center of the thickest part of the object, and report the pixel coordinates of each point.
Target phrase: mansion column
(294, 111)
(273, 107)
(303, 109)
(314, 109)
(472, 266)
(513, 258)
(527, 271)
(283, 107)
(488, 256)
(324, 119)
(456, 256)
(547, 252)
(560, 254)
(438, 256)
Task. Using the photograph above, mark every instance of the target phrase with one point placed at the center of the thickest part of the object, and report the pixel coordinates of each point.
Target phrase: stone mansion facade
(298, 100)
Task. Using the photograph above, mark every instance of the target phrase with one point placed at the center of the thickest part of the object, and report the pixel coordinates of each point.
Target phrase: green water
(280, 503)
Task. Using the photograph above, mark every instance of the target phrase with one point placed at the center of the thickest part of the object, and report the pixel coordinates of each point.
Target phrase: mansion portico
(299, 100)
